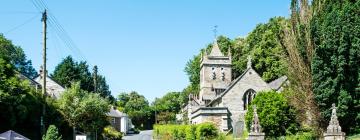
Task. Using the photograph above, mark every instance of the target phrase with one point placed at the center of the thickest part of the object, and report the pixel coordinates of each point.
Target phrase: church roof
(215, 50)
(277, 83)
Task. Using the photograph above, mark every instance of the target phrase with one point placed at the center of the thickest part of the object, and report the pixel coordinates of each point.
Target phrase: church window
(222, 74)
(213, 75)
(249, 95)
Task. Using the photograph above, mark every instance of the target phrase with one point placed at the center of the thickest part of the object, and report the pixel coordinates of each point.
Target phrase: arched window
(249, 95)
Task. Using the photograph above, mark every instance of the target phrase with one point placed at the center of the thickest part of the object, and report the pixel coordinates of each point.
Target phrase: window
(113, 120)
(249, 95)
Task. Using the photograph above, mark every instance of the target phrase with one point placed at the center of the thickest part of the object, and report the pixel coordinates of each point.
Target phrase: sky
(138, 45)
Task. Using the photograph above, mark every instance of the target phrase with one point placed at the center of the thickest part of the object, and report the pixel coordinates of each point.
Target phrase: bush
(206, 131)
(276, 116)
(188, 132)
(52, 133)
(111, 133)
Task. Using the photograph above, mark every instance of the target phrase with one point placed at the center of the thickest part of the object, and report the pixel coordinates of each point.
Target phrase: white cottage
(222, 100)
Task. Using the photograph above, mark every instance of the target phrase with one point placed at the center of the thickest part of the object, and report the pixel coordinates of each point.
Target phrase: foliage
(296, 39)
(137, 107)
(206, 131)
(16, 56)
(83, 110)
(276, 116)
(335, 32)
(69, 71)
(167, 106)
(110, 133)
(52, 134)
(19, 103)
(300, 136)
(189, 132)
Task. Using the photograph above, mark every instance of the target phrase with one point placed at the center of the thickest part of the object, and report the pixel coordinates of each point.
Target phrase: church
(222, 100)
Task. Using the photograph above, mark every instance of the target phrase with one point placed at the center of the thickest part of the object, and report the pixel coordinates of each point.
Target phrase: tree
(83, 110)
(16, 56)
(69, 71)
(52, 134)
(168, 106)
(19, 102)
(137, 107)
(335, 32)
(277, 117)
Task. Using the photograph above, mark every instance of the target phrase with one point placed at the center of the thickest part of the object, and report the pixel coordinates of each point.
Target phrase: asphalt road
(143, 135)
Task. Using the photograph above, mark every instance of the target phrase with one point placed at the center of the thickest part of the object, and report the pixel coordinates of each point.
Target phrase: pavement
(143, 135)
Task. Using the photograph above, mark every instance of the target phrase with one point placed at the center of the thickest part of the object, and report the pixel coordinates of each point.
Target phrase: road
(143, 135)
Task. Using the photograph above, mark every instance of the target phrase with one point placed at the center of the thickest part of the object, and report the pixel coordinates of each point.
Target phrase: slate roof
(277, 83)
(12, 135)
(115, 113)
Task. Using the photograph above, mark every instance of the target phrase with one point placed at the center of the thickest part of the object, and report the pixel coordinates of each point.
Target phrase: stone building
(222, 100)
(119, 120)
(53, 88)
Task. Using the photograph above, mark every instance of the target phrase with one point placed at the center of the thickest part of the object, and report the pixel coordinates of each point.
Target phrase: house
(53, 89)
(222, 100)
(119, 120)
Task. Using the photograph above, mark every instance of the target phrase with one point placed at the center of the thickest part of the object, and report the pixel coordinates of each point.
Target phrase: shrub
(206, 131)
(52, 133)
(276, 116)
(188, 132)
(111, 133)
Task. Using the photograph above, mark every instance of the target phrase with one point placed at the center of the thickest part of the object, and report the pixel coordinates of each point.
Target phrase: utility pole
(95, 71)
(44, 72)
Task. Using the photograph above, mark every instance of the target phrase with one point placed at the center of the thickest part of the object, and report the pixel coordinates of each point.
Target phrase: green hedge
(186, 132)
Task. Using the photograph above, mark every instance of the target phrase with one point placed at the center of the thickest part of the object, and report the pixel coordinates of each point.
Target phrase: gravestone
(238, 129)
(333, 131)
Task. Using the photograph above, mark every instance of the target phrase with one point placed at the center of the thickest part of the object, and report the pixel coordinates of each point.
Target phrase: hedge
(201, 131)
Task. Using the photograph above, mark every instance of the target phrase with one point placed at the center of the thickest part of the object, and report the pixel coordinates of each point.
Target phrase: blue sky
(138, 45)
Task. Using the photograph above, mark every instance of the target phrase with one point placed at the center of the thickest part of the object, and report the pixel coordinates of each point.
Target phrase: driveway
(143, 135)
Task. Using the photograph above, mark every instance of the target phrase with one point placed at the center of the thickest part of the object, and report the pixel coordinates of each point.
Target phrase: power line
(59, 30)
(22, 24)
(16, 12)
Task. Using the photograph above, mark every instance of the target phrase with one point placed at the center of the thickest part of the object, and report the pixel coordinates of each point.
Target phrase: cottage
(119, 120)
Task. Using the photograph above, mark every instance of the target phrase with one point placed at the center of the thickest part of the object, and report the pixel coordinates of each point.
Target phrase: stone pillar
(333, 131)
(255, 130)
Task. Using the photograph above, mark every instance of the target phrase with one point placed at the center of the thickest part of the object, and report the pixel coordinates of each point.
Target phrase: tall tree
(69, 71)
(19, 103)
(16, 56)
(137, 107)
(335, 66)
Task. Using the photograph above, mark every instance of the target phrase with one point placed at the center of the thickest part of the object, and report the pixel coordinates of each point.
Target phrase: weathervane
(215, 31)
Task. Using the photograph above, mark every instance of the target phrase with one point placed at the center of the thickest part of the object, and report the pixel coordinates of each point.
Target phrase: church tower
(215, 73)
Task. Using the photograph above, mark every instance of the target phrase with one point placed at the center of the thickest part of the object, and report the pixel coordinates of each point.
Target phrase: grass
(354, 137)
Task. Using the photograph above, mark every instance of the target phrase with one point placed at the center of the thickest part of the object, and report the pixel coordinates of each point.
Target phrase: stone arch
(248, 96)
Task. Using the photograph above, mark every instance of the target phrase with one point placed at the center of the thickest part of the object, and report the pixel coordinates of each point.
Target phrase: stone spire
(333, 131)
(249, 62)
(215, 50)
(255, 130)
(255, 126)
(334, 126)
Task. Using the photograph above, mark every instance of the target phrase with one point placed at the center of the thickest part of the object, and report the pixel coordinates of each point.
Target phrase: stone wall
(233, 99)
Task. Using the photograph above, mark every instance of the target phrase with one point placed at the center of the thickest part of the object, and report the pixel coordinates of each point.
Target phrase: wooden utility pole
(95, 71)
(44, 71)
